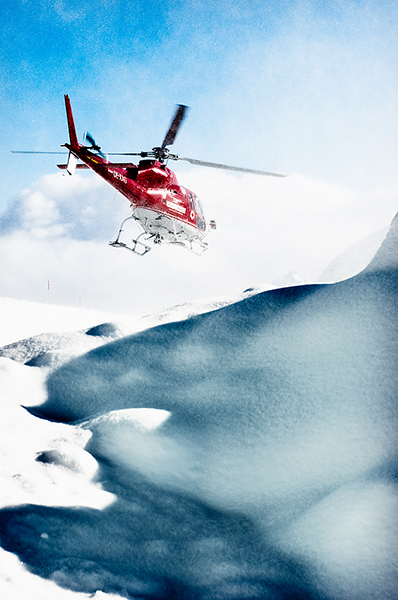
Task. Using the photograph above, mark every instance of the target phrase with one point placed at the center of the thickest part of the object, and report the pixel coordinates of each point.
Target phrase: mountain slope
(250, 451)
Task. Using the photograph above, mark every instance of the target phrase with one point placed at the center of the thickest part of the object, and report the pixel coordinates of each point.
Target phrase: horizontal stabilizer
(80, 166)
(121, 165)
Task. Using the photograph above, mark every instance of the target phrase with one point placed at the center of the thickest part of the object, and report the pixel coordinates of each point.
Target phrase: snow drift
(266, 466)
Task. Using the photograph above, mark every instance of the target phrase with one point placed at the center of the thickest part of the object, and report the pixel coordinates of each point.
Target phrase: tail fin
(71, 124)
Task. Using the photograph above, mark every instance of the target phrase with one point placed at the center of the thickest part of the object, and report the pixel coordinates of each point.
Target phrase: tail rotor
(87, 137)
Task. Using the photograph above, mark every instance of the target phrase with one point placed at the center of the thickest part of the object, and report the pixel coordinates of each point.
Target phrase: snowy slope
(22, 319)
(248, 452)
(354, 259)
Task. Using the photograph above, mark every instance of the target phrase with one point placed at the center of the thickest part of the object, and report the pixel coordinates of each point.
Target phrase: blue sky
(304, 88)
(295, 86)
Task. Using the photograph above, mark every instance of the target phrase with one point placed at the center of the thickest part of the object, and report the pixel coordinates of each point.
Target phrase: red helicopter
(165, 211)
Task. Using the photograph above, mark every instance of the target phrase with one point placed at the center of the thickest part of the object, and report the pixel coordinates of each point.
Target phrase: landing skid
(138, 246)
(147, 239)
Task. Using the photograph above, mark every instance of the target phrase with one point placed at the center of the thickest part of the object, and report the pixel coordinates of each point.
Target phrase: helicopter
(166, 212)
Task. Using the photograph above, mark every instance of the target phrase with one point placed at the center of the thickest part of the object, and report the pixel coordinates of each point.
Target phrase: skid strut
(138, 247)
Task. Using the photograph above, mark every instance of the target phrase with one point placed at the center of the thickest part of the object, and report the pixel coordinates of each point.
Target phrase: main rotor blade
(109, 153)
(203, 163)
(34, 152)
(175, 125)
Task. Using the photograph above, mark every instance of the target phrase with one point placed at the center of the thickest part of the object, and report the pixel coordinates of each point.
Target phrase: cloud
(58, 230)
(78, 207)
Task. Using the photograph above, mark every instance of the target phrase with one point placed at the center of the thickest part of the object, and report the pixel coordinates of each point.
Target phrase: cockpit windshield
(199, 207)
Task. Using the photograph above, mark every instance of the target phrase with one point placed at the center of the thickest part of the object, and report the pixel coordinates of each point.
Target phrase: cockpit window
(199, 207)
(200, 218)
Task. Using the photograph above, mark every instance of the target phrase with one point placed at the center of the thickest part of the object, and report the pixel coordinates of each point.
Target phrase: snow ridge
(245, 452)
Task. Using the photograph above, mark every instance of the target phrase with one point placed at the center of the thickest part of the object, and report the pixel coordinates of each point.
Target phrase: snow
(354, 259)
(227, 449)
(22, 319)
(288, 280)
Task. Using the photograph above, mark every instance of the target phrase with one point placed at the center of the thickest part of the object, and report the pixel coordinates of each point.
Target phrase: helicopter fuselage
(166, 210)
